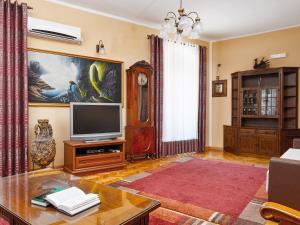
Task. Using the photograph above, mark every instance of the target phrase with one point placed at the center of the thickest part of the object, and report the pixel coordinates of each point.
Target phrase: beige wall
(238, 54)
(123, 41)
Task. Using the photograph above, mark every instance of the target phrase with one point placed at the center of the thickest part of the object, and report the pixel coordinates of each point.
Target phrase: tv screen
(93, 121)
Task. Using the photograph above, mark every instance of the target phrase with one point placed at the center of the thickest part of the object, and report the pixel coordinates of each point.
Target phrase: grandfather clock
(140, 115)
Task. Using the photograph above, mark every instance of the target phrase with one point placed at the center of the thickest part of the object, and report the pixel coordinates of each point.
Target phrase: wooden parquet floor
(148, 164)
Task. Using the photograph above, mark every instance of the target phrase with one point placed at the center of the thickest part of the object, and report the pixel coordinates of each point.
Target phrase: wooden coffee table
(117, 207)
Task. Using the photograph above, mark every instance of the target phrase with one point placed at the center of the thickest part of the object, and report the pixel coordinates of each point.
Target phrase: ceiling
(222, 19)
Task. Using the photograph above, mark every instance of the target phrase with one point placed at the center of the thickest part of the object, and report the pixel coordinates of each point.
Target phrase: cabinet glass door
(250, 102)
(268, 102)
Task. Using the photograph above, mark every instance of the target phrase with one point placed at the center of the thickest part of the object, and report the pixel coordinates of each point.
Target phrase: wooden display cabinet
(264, 111)
(81, 157)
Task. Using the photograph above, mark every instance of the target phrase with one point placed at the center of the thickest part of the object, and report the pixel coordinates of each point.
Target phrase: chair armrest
(280, 213)
(296, 143)
(284, 182)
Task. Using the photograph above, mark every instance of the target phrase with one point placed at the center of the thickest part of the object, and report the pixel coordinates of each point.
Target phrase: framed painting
(219, 88)
(56, 79)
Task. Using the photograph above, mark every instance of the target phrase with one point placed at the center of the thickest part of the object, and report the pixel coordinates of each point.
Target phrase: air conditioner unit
(57, 31)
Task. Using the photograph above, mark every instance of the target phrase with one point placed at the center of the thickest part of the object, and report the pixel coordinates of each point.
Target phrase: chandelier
(187, 24)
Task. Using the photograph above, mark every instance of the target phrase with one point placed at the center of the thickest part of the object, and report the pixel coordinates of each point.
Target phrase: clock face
(142, 79)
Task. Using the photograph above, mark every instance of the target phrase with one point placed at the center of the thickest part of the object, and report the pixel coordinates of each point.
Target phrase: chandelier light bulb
(187, 31)
(169, 26)
(194, 34)
(166, 24)
(172, 30)
(185, 22)
(198, 26)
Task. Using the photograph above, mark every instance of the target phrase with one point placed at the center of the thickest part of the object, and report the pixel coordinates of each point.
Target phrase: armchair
(283, 204)
(274, 212)
(296, 143)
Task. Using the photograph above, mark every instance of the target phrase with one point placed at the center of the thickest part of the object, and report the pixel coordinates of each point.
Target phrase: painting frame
(219, 85)
(47, 104)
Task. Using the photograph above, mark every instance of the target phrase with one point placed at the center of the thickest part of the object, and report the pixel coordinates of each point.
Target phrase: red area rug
(211, 190)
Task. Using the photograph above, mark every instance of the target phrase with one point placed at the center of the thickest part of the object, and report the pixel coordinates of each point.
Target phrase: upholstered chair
(283, 206)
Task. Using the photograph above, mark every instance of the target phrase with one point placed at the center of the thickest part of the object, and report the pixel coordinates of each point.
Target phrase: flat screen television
(95, 121)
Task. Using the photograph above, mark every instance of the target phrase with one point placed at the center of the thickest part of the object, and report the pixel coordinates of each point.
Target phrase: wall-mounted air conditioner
(57, 31)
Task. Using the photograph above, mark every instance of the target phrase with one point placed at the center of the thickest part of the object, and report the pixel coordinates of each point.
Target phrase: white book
(72, 200)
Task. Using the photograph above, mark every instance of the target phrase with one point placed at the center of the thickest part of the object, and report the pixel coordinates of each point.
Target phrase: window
(181, 91)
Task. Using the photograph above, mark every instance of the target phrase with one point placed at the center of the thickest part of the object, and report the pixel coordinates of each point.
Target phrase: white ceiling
(222, 19)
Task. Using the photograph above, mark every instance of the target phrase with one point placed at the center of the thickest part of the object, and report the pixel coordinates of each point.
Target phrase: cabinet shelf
(290, 85)
(260, 117)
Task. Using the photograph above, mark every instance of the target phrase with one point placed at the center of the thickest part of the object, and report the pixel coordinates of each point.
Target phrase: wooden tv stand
(77, 160)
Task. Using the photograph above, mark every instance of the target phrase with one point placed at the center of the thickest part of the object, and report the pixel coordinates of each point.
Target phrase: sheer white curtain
(180, 92)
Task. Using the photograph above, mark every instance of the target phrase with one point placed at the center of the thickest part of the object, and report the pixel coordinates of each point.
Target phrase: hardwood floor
(146, 164)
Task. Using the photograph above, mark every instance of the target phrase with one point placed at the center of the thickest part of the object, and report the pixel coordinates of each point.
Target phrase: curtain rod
(150, 35)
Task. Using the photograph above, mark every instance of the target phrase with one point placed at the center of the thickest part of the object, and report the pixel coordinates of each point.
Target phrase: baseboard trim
(61, 167)
(212, 148)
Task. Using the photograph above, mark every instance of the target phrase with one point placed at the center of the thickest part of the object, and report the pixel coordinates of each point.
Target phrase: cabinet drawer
(97, 160)
(247, 131)
(270, 132)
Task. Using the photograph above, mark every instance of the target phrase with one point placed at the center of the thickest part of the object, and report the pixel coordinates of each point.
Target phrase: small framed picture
(219, 88)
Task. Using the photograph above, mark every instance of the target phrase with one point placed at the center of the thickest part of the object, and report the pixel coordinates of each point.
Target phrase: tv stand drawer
(97, 159)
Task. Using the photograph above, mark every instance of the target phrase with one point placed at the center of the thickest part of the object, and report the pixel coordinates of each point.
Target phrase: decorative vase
(43, 146)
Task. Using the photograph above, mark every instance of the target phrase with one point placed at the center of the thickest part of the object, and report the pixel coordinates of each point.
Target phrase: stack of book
(70, 201)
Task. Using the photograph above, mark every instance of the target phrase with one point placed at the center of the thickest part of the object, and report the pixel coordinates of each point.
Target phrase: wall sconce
(100, 48)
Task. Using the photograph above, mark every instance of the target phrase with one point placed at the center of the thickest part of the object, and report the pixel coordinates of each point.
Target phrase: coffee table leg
(144, 220)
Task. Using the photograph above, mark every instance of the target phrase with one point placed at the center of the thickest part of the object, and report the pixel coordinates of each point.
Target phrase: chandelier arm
(190, 18)
(173, 16)
(197, 15)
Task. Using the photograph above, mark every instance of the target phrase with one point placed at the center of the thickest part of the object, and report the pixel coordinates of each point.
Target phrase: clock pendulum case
(139, 132)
